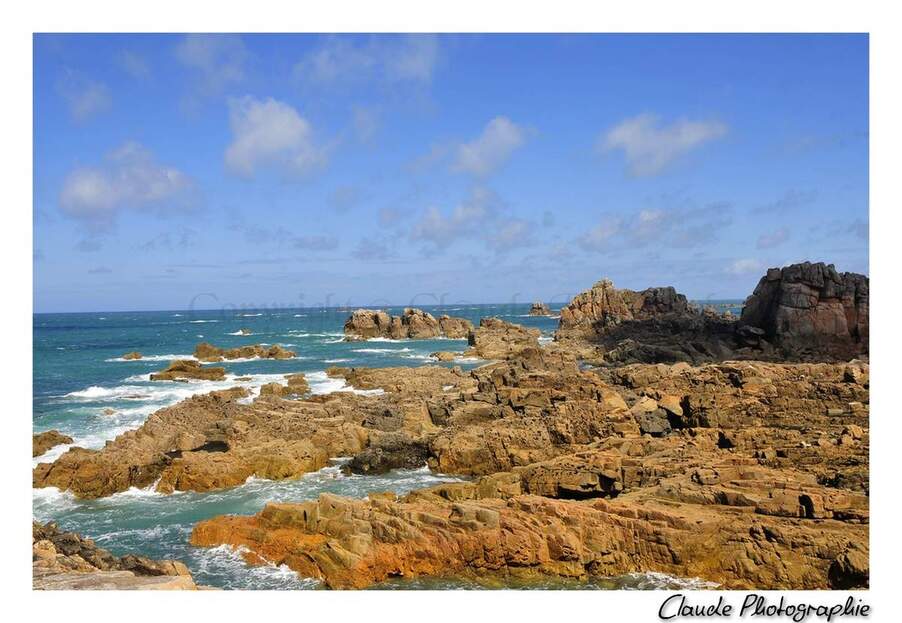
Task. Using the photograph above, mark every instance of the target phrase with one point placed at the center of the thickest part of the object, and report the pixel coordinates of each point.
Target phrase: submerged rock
(132, 355)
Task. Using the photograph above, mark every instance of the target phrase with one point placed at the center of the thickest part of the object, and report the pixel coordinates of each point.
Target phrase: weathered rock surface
(66, 560)
(811, 305)
(413, 323)
(539, 309)
(42, 442)
(209, 353)
(604, 306)
(497, 339)
(181, 369)
(213, 441)
(749, 474)
(132, 355)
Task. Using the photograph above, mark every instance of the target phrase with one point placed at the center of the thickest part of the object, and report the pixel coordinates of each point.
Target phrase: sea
(83, 387)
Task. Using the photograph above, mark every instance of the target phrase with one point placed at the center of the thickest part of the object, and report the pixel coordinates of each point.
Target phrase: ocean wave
(250, 315)
(321, 383)
(227, 561)
(382, 351)
(152, 358)
(201, 321)
(336, 360)
(239, 332)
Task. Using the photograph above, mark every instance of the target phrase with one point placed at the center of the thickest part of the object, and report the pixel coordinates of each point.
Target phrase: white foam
(336, 360)
(52, 454)
(321, 383)
(300, 315)
(382, 351)
(467, 360)
(239, 332)
(545, 339)
(201, 321)
(152, 358)
(250, 315)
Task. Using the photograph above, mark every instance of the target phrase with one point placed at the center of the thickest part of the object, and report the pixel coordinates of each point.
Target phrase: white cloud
(465, 219)
(491, 149)
(134, 65)
(84, 97)
(374, 249)
(392, 59)
(773, 239)
(649, 147)
(600, 238)
(513, 233)
(744, 267)
(131, 178)
(270, 133)
(218, 60)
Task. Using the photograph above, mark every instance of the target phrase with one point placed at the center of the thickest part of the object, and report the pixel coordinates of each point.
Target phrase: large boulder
(811, 305)
(497, 339)
(413, 324)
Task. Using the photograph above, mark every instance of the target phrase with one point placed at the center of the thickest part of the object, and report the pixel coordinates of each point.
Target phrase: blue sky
(206, 171)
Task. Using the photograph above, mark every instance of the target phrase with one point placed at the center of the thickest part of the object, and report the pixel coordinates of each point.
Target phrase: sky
(238, 171)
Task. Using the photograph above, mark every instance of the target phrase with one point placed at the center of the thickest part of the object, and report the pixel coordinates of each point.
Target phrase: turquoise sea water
(82, 387)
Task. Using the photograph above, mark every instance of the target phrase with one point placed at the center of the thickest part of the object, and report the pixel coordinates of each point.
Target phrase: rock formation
(811, 305)
(583, 473)
(497, 339)
(604, 306)
(132, 355)
(413, 324)
(182, 369)
(539, 309)
(66, 560)
(209, 353)
(42, 442)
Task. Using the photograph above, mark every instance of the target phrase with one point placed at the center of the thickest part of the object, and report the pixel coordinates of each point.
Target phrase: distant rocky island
(648, 436)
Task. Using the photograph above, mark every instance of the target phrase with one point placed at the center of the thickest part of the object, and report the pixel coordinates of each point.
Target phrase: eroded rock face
(66, 560)
(539, 309)
(811, 304)
(497, 339)
(491, 527)
(749, 474)
(413, 323)
(42, 442)
(209, 353)
(188, 369)
(603, 306)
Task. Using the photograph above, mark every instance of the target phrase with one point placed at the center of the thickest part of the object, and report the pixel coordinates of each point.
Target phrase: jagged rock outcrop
(42, 442)
(66, 560)
(412, 324)
(498, 339)
(209, 353)
(603, 306)
(539, 309)
(811, 306)
(182, 369)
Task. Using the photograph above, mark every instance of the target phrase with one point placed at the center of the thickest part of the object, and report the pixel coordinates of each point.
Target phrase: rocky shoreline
(649, 436)
(67, 561)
